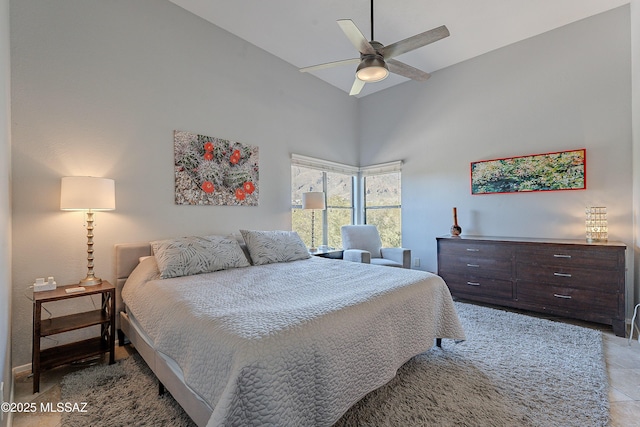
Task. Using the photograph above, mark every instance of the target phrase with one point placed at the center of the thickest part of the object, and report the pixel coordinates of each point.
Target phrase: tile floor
(622, 359)
(623, 368)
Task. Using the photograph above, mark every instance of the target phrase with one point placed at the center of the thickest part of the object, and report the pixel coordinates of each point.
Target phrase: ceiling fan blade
(356, 37)
(357, 87)
(330, 64)
(415, 42)
(405, 70)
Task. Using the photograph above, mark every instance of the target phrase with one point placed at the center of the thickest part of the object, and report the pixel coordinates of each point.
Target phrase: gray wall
(566, 89)
(5, 207)
(98, 88)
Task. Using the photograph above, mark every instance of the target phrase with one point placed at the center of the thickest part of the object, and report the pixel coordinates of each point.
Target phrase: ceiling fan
(376, 60)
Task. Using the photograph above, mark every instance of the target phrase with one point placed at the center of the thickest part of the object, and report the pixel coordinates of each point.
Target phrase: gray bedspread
(290, 344)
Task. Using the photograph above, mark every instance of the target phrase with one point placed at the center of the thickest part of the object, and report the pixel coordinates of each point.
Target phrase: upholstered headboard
(127, 257)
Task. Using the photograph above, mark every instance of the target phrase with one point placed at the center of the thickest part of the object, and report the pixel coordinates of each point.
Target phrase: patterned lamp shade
(596, 224)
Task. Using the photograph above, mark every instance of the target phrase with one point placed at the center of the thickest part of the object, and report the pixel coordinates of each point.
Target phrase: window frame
(326, 166)
(379, 169)
(386, 211)
(358, 174)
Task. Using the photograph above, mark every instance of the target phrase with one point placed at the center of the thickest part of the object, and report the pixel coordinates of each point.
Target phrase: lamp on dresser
(313, 200)
(596, 224)
(87, 193)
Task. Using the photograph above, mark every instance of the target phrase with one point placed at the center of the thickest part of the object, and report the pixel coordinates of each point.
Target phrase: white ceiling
(305, 33)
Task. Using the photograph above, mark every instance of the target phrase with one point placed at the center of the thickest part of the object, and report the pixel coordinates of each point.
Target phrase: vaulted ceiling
(305, 33)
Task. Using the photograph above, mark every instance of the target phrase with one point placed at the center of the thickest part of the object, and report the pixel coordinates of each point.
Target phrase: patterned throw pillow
(266, 247)
(185, 256)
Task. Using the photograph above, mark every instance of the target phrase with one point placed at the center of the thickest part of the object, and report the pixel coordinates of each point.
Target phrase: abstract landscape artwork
(214, 171)
(563, 170)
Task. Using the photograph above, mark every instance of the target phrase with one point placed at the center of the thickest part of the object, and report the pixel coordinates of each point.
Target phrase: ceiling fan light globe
(372, 70)
(372, 74)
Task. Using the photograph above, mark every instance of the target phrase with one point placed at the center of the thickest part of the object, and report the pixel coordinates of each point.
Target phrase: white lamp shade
(313, 200)
(87, 192)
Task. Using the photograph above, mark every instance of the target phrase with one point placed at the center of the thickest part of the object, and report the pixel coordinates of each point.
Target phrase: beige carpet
(513, 370)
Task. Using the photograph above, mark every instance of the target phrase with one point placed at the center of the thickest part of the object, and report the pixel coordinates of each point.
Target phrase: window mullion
(359, 200)
(325, 220)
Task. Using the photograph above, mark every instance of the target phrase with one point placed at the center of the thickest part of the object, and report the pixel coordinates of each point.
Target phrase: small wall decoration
(563, 170)
(214, 171)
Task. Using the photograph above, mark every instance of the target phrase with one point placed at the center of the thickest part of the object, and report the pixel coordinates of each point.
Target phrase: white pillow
(145, 271)
(266, 247)
(186, 256)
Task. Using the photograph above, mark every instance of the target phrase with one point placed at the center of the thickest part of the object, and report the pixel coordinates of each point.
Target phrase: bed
(284, 342)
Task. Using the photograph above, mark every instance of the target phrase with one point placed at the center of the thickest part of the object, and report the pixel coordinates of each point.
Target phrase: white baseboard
(20, 369)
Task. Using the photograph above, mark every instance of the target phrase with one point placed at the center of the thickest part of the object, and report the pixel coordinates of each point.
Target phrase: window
(375, 200)
(339, 190)
(337, 182)
(303, 180)
(382, 206)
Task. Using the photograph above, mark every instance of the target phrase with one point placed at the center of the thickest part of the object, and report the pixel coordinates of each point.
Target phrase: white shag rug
(513, 370)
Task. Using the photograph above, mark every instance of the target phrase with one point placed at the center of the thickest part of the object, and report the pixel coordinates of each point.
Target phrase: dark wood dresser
(568, 278)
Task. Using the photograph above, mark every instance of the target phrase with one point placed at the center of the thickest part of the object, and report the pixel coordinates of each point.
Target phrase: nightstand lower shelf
(73, 352)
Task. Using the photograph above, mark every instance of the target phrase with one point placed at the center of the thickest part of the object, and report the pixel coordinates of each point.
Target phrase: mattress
(293, 343)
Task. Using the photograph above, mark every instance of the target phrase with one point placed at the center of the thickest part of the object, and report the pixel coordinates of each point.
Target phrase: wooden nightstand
(66, 353)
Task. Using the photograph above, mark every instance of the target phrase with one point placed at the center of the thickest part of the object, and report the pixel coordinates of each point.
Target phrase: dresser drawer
(462, 248)
(576, 301)
(475, 266)
(460, 285)
(569, 256)
(580, 278)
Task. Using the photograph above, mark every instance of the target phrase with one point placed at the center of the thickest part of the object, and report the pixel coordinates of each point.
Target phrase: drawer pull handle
(473, 283)
(562, 296)
(473, 265)
(562, 274)
(473, 250)
(561, 256)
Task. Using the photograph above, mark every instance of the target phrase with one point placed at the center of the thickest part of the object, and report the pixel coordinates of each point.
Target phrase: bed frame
(127, 258)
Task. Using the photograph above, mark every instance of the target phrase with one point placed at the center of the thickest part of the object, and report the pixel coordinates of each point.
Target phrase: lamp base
(90, 281)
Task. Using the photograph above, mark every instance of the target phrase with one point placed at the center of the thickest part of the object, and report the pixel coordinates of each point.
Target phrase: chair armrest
(399, 255)
(357, 255)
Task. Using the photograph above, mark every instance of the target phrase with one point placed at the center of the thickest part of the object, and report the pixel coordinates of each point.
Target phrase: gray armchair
(361, 243)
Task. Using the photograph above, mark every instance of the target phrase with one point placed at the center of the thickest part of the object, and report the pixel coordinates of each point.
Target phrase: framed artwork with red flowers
(214, 171)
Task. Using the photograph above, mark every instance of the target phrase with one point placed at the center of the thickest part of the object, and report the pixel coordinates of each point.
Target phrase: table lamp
(86, 193)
